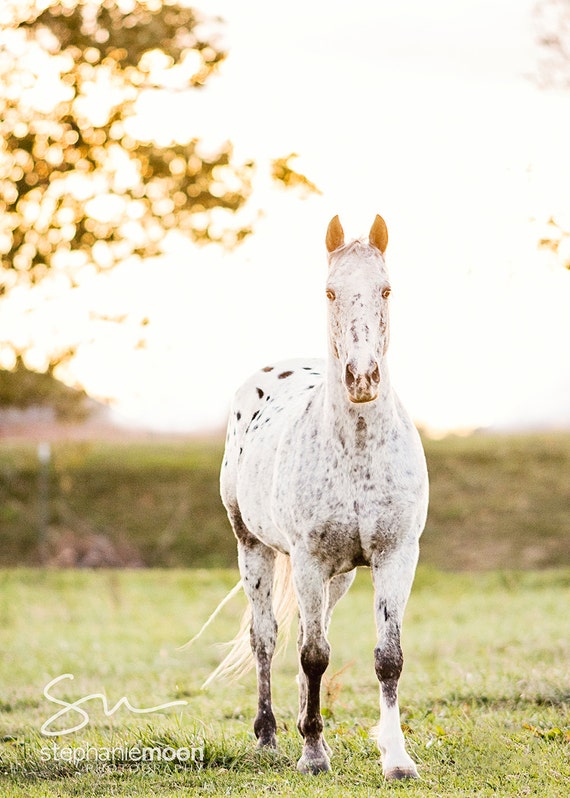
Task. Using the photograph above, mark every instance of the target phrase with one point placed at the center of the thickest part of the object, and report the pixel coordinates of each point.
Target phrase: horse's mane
(359, 246)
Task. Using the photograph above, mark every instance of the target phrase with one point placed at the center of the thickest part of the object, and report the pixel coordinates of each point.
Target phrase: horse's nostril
(350, 376)
(375, 374)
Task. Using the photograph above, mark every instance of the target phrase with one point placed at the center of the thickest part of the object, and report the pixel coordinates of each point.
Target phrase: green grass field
(485, 693)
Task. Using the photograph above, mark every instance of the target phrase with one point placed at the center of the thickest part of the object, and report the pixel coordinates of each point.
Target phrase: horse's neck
(352, 422)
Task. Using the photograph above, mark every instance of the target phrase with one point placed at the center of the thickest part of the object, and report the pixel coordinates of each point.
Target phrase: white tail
(239, 658)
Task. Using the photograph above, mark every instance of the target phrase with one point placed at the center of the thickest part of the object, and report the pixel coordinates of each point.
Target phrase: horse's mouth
(362, 399)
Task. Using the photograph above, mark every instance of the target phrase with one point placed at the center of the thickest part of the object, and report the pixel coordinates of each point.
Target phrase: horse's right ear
(379, 234)
(335, 234)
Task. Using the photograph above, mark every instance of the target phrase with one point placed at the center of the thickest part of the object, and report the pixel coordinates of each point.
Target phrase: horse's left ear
(379, 234)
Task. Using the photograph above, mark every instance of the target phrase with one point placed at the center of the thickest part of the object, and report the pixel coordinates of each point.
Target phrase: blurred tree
(80, 183)
(552, 20)
(282, 171)
(84, 184)
(22, 388)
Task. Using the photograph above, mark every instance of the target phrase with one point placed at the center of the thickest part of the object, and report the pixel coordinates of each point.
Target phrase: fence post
(44, 460)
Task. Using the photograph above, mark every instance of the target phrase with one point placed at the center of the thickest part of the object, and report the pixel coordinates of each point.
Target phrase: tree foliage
(80, 182)
(552, 19)
(22, 388)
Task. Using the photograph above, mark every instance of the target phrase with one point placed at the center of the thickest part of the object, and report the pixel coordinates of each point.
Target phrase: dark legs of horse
(256, 563)
(392, 584)
(313, 595)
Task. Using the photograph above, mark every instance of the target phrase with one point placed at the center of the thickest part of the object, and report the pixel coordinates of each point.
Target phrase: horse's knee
(388, 662)
(314, 658)
(263, 638)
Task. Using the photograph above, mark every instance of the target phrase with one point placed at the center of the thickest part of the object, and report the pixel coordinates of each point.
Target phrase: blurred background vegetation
(496, 502)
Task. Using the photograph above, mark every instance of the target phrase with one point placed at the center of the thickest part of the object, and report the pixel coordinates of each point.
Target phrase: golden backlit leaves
(283, 172)
(84, 185)
(75, 176)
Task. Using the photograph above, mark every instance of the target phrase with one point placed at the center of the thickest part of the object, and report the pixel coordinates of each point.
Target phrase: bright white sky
(418, 111)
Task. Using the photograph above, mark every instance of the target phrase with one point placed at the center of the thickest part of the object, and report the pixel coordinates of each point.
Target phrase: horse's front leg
(393, 577)
(312, 596)
(337, 588)
(256, 563)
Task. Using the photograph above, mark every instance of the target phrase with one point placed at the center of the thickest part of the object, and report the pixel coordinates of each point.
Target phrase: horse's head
(357, 291)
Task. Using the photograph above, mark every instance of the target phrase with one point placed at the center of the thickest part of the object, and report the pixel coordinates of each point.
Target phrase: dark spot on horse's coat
(267, 368)
(267, 398)
(361, 430)
(284, 374)
(260, 393)
(340, 542)
(240, 449)
(241, 532)
(310, 387)
(306, 368)
(388, 661)
(257, 584)
(255, 415)
(238, 415)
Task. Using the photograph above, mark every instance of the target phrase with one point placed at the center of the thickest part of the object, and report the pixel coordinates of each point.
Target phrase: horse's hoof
(399, 774)
(264, 743)
(313, 766)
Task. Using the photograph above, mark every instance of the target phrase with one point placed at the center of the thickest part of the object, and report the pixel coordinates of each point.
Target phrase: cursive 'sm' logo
(76, 706)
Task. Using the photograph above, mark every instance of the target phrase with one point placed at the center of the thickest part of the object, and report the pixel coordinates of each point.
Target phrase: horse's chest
(346, 507)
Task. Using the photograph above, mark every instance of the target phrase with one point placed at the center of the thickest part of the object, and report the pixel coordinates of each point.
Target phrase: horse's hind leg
(392, 583)
(256, 564)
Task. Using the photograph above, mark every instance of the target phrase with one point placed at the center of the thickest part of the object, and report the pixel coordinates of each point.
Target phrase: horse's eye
(386, 293)
(331, 294)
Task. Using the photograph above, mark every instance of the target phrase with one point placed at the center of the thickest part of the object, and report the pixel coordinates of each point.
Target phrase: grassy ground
(496, 502)
(485, 695)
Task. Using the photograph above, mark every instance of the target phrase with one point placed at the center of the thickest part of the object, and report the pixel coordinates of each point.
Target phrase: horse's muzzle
(362, 386)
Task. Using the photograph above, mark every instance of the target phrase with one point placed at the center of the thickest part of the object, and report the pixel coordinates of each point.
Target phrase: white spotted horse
(323, 472)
